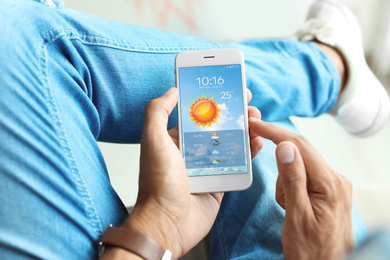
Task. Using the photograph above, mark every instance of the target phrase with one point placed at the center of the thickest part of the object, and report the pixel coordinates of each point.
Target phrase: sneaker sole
(381, 117)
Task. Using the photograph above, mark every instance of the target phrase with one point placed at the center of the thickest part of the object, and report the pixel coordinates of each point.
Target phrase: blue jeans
(69, 79)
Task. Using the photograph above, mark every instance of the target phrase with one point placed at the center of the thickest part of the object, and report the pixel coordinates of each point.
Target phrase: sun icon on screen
(204, 111)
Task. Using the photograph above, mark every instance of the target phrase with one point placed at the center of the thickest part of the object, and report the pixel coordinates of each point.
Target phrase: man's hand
(317, 200)
(165, 210)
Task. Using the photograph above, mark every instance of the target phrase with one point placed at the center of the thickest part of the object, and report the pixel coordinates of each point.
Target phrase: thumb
(157, 112)
(292, 178)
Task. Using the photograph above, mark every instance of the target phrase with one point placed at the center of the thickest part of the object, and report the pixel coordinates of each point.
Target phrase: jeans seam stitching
(82, 189)
(219, 229)
(73, 35)
(291, 52)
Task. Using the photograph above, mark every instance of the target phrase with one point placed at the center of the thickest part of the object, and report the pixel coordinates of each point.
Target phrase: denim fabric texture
(68, 79)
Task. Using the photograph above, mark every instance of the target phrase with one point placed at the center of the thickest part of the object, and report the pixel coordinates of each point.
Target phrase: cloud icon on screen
(215, 152)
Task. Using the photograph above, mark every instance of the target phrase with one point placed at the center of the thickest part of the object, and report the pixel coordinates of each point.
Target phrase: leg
(69, 79)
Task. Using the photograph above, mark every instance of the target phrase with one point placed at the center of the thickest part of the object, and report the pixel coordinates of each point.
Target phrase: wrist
(154, 223)
(119, 253)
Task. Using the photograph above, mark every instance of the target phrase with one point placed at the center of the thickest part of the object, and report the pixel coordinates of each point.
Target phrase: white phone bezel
(216, 183)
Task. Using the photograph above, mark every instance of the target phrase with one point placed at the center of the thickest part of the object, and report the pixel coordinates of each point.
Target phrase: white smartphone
(213, 119)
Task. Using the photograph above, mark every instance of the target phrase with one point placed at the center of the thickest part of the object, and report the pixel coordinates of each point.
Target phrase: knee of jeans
(28, 20)
(24, 23)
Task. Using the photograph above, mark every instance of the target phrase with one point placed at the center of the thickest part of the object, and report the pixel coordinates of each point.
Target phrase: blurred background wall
(365, 161)
(222, 21)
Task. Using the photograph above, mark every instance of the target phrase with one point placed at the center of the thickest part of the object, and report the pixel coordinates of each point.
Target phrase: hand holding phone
(213, 119)
(165, 210)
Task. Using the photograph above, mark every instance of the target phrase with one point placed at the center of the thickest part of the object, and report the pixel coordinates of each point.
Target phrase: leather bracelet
(136, 243)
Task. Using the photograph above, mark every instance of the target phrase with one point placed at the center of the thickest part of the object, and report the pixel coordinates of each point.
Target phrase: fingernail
(170, 91)
(285, 153)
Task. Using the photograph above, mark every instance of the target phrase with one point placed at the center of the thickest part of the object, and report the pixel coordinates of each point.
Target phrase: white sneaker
(364, 106)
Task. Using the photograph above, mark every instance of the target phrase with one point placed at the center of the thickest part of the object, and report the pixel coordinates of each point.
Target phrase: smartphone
(213, 119)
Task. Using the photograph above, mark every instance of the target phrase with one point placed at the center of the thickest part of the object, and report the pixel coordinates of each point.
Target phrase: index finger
(157, 112)
(313, 160)
(248, 95)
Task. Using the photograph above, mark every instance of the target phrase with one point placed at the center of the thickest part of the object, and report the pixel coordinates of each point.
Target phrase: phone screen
(212, 120)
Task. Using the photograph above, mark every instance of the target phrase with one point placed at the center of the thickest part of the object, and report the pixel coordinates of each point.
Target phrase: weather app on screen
(212, 120)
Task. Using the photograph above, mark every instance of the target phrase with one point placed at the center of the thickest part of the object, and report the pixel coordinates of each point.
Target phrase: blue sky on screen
(228, 95)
